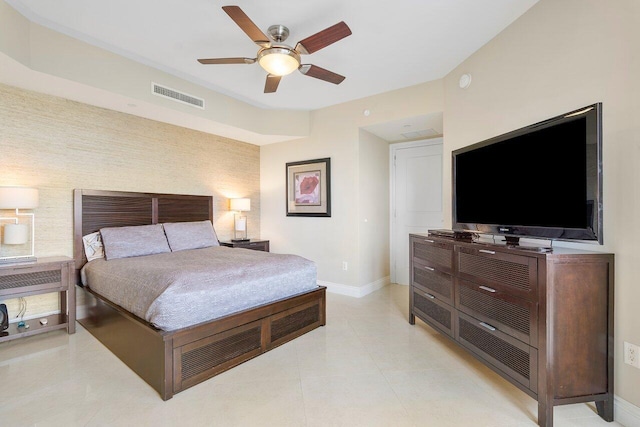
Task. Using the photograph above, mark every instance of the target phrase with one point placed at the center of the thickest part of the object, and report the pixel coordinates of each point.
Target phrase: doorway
(416, 198)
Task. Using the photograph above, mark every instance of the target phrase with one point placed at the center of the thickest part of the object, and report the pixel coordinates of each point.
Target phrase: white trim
(393, 148)
(626, 413)
(355, 291)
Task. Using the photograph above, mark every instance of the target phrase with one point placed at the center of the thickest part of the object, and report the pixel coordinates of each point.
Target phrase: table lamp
(240, 221)
(15, 233)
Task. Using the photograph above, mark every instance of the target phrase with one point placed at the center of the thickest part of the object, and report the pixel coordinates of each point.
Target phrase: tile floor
(367, 367)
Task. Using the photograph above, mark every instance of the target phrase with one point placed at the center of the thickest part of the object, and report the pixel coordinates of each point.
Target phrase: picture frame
(309, 188)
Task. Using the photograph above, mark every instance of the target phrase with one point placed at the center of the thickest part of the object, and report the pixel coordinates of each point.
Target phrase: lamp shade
(16, 234)
(18, 198)
(240, 204)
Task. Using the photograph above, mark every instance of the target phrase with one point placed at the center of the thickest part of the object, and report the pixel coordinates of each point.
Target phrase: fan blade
(227, 61)
(323, 39)
(247, 25)
(271, 85)
(321, 73)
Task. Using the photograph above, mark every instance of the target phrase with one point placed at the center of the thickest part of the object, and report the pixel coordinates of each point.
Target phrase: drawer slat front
(435, 254)
(19, 280)
(511, 356)
(514, 272)
(433, 312)
(440, 283)
(515, 316)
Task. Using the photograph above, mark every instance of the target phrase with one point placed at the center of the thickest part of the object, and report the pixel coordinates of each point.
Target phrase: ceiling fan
(279, 59)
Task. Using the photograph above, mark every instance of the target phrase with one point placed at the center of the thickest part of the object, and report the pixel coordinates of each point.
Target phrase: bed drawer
(202, 359)
(195, 361)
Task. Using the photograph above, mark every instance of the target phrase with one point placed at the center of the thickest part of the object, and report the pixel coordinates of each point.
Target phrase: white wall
(373, 210)
(559, 56)
(335, 133)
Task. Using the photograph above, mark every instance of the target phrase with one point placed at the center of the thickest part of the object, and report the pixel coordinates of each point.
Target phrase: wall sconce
(15, 233)
(240, 221)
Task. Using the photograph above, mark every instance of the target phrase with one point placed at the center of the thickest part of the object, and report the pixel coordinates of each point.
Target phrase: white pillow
(93, 247)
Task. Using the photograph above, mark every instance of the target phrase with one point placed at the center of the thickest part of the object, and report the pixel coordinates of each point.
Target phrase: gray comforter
(179, 289)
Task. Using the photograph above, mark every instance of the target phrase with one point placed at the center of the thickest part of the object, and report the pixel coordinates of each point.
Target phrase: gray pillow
(125, 242)
(190, 235)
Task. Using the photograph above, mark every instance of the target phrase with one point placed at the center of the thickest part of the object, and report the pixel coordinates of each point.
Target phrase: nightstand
(52, 274)
(258, 245)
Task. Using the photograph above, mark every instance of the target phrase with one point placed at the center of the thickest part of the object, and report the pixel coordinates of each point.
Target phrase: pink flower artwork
(307, 188)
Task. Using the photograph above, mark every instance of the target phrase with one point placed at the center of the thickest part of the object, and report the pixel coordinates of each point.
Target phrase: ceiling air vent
(175, 95)
(420, 134)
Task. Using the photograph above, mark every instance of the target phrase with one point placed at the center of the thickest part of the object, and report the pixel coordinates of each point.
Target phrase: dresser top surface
(557, 251)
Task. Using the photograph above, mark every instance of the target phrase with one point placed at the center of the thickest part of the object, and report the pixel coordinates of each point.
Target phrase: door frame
(393, 148)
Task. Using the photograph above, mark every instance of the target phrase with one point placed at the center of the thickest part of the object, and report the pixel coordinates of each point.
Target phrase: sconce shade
(240, 204)
(18, 198)
(16, 234)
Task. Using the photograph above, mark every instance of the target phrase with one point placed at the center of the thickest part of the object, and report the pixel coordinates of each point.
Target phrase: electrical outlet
(632, 355)
(345, 265)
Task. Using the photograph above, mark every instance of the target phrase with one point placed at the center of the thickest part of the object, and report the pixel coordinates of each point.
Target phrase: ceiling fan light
(279, 61)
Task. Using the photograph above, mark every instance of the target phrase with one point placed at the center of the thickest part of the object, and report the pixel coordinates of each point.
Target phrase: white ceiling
(394, 44)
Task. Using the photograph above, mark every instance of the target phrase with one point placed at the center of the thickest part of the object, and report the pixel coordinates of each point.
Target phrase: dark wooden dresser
(543, 321)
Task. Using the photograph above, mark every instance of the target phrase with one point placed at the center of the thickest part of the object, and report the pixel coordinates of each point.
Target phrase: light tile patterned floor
(367, 367)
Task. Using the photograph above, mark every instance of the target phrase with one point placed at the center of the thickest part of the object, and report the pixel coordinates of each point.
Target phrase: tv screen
(541, 181)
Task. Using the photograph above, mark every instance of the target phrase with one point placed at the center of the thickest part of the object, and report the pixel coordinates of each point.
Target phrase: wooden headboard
(95, 209)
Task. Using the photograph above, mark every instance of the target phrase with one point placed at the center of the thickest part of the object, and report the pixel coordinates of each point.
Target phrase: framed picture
(309, 188)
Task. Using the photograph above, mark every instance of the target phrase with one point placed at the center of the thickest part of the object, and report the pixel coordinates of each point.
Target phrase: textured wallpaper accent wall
(56, 145)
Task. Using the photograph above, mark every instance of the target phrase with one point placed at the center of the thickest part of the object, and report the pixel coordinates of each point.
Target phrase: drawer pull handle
(430, 268)
(429, 296)
(485, 251)
(487, 326)
(429, 241)
(488, 289)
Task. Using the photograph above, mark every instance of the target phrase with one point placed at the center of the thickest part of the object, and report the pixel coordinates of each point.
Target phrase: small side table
(51, 274)
(258, 245)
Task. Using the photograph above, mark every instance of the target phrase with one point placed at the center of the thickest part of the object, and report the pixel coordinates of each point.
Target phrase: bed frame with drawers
(173, 361)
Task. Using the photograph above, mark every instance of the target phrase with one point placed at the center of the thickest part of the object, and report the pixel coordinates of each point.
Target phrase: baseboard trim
(626, 413)
(355, 291)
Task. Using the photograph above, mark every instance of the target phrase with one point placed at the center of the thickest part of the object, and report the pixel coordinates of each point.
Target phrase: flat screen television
(542, 181)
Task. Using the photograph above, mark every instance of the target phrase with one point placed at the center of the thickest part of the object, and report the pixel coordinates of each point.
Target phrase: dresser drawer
(432, 253)
(433, 281)
(514, 316)
(515, 274)
(514, 358)
(432, 311)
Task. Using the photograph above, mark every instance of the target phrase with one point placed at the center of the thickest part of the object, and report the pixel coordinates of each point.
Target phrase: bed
(172, 361)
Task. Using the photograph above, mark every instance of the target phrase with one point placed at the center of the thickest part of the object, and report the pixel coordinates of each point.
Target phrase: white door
(416, 198)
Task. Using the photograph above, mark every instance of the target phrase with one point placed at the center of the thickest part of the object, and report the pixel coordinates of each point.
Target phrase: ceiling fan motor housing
(279, 33)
